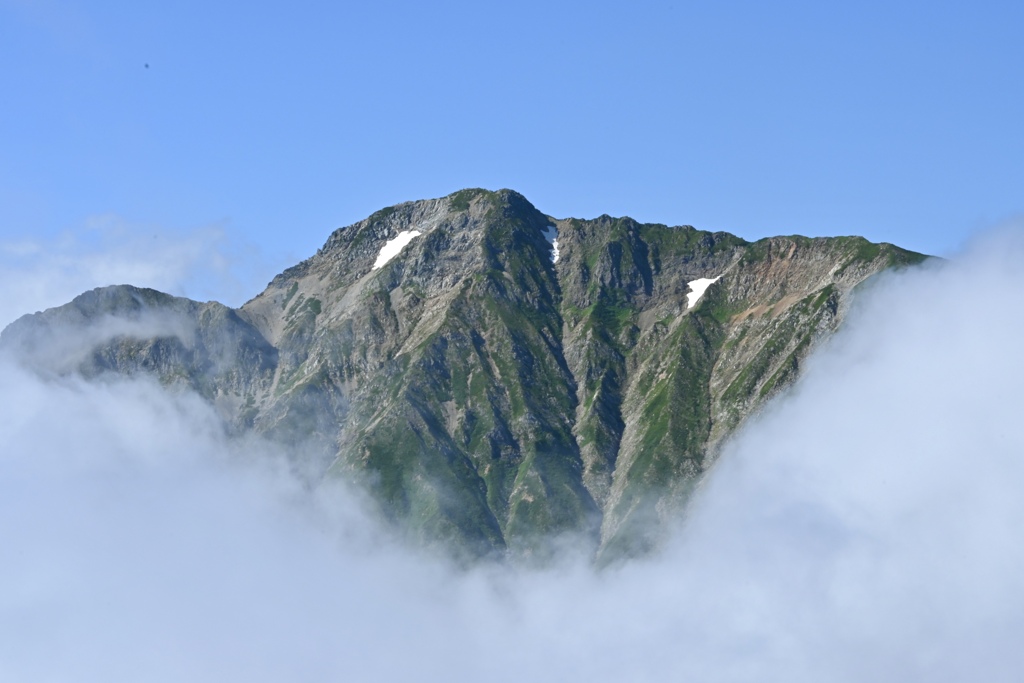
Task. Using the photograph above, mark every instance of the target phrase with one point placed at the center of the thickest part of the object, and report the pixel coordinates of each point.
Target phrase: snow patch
(393, 246)
(551, 235)
(697, 289)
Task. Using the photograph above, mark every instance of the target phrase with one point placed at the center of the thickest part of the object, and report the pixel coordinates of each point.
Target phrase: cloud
(868, 526)
(874, 512)
(143, 544)
(201, 263)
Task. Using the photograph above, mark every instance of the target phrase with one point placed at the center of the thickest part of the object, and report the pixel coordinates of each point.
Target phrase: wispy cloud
(201, 263)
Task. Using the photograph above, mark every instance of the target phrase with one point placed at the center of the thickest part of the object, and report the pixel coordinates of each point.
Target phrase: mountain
(494, 376)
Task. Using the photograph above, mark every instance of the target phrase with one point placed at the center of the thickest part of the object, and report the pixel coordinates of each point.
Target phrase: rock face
(499, 377)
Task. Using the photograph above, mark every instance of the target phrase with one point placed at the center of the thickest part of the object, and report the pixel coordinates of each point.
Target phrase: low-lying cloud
(868, 526)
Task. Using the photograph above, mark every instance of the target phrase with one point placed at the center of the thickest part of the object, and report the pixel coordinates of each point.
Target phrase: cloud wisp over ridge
(201, 263)
(867, 526)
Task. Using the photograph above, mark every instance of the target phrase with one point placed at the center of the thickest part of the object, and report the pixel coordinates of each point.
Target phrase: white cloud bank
(870, 526)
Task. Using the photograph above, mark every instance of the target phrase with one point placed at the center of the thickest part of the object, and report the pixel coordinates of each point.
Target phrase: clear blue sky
(900, 121)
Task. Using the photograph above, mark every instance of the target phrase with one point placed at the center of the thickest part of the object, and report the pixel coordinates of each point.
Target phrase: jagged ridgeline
(496, 377)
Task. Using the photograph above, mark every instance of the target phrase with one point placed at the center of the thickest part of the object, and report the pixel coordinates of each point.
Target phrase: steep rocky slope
(493, 375)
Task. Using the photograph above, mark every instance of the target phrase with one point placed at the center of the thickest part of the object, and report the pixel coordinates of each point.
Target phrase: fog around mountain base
(868, 526)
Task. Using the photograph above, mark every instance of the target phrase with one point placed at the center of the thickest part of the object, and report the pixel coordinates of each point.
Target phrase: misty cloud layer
(39, 273)
(868, 526)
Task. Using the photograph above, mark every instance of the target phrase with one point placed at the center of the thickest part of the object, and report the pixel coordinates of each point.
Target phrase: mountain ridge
(490, 396)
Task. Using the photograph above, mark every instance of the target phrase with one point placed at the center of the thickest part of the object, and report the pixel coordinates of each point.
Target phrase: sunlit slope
(489, 395)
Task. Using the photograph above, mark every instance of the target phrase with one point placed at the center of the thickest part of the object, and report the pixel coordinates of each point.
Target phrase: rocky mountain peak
(490, 395)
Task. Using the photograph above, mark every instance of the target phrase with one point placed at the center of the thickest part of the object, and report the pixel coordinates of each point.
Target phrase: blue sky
(276, 124)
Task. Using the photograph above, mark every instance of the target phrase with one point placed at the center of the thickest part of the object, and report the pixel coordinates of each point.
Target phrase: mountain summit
(496, 377)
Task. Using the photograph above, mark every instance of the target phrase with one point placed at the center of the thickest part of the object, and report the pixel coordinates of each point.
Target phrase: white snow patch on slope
(551, 235)
(697, 289)
(393, 246)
